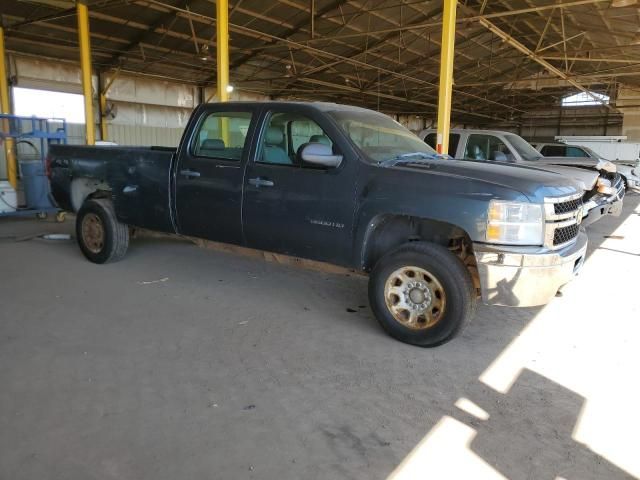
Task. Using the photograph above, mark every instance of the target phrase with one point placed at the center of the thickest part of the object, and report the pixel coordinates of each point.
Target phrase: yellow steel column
(85, 65)
(5, 107)
(222, 42)
(446, 74)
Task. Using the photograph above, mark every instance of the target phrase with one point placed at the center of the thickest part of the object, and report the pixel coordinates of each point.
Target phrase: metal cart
(32, 137)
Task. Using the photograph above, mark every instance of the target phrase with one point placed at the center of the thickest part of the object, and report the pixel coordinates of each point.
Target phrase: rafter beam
(536, 58)
(291, 31)
(161, 21)
(473, 18)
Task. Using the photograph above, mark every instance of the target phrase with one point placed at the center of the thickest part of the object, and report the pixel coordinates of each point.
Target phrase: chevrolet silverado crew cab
(342, 185)
(603, 187)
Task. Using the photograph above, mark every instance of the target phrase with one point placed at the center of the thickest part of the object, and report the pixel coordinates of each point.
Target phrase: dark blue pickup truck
(342, 185)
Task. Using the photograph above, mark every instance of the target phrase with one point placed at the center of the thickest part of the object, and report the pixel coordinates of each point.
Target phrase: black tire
(114, 235)
(453, 280)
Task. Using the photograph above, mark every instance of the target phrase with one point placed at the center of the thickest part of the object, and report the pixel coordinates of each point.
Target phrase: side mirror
(320, 154)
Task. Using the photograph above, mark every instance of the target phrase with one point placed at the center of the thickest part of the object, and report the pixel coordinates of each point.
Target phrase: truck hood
(586, 178)
(581, 162)
(534, 183)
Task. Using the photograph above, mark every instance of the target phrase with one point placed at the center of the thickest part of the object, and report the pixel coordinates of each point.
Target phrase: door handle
(189, 173)
(260, 182)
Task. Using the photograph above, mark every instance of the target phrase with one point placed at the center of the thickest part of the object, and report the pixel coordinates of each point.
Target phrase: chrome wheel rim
(93, 232)
(415, 297)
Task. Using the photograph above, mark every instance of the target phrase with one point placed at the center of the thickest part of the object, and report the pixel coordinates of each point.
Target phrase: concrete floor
(186, 363)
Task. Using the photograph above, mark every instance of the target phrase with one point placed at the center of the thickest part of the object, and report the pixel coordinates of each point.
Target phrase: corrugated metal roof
(382, 54)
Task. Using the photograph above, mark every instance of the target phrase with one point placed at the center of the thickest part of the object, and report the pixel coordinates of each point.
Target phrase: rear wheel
(422, 294)
(101, 237)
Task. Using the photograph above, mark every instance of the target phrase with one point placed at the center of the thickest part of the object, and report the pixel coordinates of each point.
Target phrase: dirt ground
(186, 363)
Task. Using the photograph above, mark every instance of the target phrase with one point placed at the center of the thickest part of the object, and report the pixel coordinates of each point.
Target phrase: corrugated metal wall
(131, 135)
(629, 99)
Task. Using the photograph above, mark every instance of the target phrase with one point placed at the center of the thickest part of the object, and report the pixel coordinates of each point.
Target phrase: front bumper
(529, 276)
(601, 204)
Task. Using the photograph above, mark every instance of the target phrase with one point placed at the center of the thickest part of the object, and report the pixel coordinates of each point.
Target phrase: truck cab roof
(320, 106)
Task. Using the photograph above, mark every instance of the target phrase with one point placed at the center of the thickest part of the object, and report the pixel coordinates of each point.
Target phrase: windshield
(378, 136)
(524, 148)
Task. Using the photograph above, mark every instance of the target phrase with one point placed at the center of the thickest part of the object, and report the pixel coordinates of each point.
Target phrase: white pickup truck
(604, 188)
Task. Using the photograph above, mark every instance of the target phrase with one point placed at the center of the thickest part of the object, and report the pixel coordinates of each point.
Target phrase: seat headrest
(319, 139)
(274, 136)
(212, 144)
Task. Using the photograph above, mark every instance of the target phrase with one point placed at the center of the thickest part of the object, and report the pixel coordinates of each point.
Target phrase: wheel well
(391, 231)
(83, 188)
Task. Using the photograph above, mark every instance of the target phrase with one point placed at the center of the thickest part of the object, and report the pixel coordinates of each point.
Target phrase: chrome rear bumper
(529, 276)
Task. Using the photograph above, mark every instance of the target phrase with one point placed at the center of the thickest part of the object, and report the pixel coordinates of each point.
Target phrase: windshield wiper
(414, 157)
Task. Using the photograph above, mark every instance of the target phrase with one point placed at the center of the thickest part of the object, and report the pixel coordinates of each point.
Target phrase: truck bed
(140, 176)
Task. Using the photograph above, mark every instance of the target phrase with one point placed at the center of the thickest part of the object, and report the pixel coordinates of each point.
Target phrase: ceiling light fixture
(204, 53)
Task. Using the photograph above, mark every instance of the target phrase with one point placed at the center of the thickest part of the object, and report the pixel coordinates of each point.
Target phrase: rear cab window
(454, 139)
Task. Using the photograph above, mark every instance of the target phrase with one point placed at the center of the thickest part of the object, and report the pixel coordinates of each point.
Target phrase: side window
(284, 137)
(487, 147)
(431, 140)
(576, 152)
(454, 139)
(222, 135)
(554, 151)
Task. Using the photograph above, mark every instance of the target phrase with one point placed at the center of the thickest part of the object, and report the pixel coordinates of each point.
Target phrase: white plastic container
(8, 198)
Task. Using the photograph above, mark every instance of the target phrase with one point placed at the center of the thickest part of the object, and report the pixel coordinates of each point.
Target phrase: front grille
(566, 207)
(563, 216)
(565, 234)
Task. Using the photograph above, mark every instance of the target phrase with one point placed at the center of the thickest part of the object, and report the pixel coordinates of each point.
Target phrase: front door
(296, 208)
(487, 147)
(210, 172)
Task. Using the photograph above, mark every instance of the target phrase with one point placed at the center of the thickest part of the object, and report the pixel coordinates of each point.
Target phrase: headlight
(607, 166)
(604, 186)
(514, 223)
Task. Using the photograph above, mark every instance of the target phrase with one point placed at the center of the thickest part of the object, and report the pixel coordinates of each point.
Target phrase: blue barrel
(35, 184)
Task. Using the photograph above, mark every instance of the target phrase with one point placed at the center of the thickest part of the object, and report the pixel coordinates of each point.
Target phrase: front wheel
(422, 294)
(101, 237)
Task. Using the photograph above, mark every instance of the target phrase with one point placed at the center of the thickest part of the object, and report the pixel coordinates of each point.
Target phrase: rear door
(209, 174)
(296, 208)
